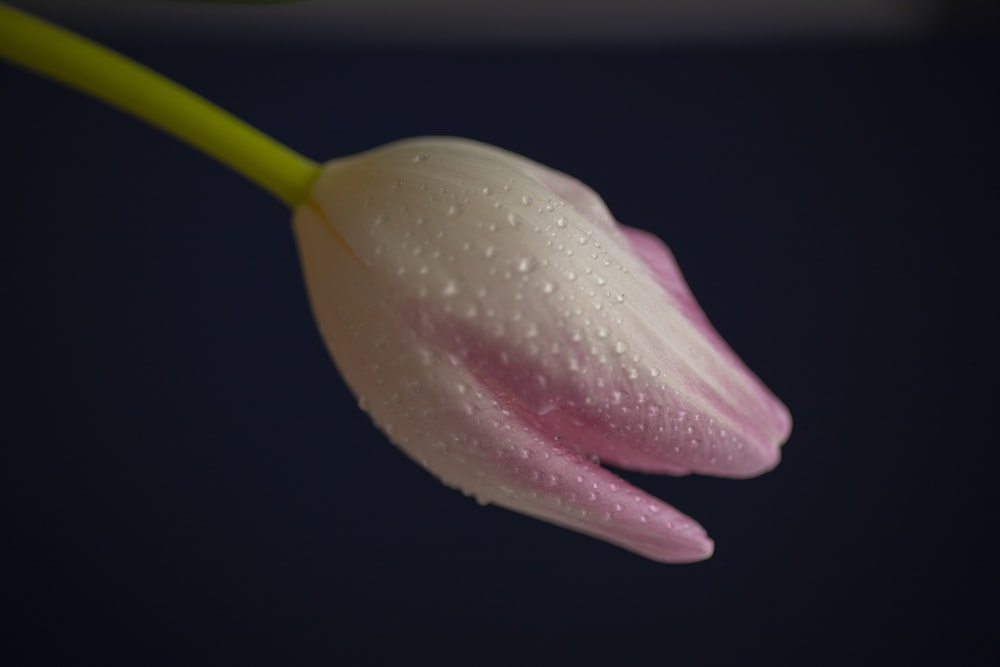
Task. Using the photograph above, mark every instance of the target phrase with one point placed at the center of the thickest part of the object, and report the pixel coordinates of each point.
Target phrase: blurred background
(514, 23)
(188, 481)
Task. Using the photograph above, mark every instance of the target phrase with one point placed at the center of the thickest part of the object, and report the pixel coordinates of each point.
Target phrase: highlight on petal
(507, 334)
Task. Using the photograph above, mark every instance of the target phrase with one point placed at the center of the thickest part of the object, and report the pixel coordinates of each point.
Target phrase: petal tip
(698, 549)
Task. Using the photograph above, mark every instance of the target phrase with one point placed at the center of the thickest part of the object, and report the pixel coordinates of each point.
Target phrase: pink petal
(750, 423)
(524, 468)
(764, 420)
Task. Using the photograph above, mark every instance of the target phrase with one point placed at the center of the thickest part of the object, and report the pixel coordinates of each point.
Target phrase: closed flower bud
(509, 335)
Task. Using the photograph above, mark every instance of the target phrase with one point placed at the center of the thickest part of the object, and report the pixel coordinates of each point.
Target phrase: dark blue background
(188, 479)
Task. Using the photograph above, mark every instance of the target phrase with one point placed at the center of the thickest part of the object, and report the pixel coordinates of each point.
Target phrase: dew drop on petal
(527, 264)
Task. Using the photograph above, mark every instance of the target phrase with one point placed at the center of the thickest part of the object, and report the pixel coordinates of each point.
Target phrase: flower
(509, 335)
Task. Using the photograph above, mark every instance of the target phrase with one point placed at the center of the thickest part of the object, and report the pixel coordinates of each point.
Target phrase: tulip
(509, 335)
(488, 312)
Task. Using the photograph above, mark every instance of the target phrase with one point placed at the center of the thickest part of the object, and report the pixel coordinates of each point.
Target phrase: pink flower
(508, 335)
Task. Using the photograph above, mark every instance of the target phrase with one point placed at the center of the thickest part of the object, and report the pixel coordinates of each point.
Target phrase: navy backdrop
(188, 479)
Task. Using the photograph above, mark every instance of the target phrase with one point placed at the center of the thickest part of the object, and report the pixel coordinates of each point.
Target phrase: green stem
(60, 54)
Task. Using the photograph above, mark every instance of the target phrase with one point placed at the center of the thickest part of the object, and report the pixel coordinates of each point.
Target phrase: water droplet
(450, 288)
(602, 332)
(487, 191)
(490, 251)
(526, 200)
(619, 298)
(549, 287)
(561, 223)
(570, 275)
(602, 281)
(621, 346)
(421, 157)
(527, 264)
(454, 210)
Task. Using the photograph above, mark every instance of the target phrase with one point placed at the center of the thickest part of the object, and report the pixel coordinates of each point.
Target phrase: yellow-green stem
(76, 61)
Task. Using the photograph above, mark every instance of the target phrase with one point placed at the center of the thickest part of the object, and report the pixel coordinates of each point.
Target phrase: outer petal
(756, 417)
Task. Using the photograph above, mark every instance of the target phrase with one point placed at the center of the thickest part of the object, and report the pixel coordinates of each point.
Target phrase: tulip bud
(509, 335)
